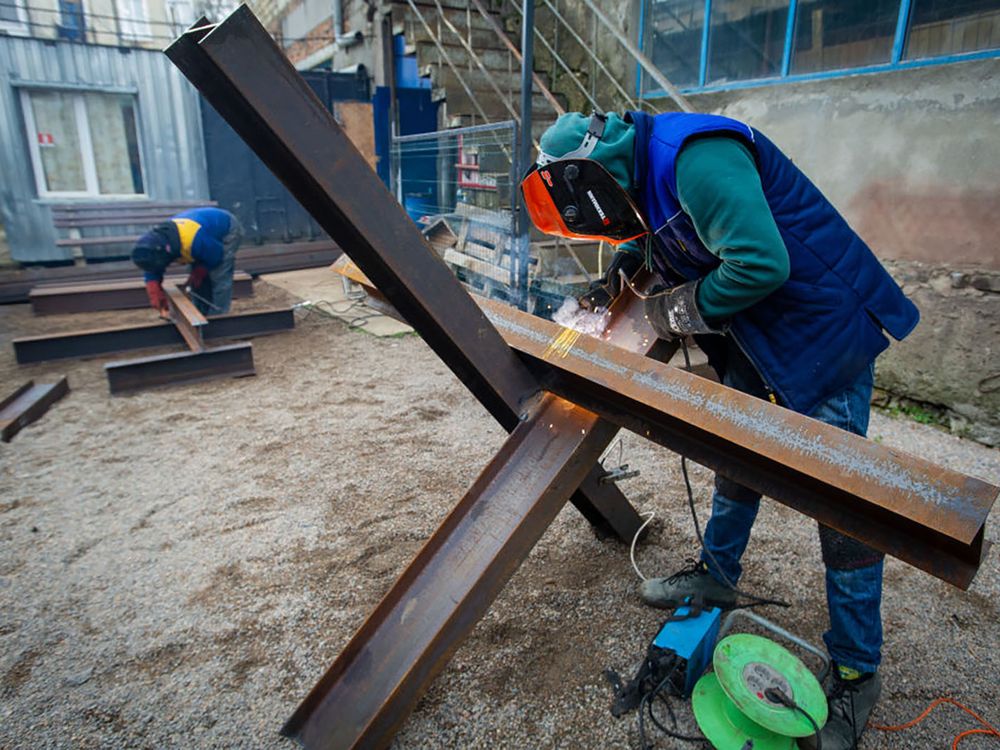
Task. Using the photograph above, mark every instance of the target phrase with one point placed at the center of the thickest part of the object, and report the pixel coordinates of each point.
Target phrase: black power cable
(754, 600)
(778, 696)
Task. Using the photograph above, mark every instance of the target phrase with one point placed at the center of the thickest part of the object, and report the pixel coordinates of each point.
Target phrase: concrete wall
(911, 157)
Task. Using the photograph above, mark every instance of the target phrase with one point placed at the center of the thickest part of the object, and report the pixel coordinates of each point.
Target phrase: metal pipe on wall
(339, 38)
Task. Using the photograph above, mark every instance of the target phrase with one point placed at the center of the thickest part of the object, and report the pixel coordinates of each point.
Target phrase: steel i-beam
(249, 81)
(115, 294)
(99, 341)
(903, 505)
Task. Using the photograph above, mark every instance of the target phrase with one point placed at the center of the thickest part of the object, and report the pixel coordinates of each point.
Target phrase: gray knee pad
(843, 553)
(735, 491)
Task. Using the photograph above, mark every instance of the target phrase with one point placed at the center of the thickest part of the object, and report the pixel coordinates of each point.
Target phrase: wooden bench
(132, 217)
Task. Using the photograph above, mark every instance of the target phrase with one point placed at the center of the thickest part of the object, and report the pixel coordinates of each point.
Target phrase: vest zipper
(771, 396)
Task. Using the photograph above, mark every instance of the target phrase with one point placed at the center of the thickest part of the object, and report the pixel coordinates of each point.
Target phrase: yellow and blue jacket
(194, 237)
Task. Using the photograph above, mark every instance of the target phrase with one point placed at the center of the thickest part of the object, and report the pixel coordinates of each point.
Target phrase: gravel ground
(177, 568)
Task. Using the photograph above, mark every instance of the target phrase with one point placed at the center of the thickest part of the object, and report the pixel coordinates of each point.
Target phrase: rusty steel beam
(905, 506)
(189, 321)
(118, 294)
(28, 403)
(916, 511)
(229, 361)
(380, 675)
(247, 78)
(31, 349)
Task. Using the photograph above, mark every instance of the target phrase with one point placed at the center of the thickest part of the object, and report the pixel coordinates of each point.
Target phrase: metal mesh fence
(460, 186)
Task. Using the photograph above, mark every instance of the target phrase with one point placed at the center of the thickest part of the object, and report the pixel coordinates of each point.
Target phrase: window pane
(9, 12)
(116, 154)
(948, 27)
(836, 34)
(58, 141)
(673, 40)
(746, 39)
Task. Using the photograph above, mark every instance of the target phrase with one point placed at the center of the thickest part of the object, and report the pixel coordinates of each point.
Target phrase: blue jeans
(853, 570)
(215, 296)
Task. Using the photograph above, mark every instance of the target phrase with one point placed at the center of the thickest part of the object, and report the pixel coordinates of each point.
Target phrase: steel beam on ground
(376, 681)
(905, 506)
(230, 361)
(121, 294)
(28, 350)
(189, 321)
(28, 403)
(16, 285)
(247, 78)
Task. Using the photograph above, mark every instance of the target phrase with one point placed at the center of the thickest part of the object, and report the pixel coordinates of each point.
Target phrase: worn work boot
(851, 703)
(693, 581)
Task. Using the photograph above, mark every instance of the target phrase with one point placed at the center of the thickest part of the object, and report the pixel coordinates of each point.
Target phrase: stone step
(458, 17)
(508, 82)
(427, 6)
(494, 58)
(481, 38)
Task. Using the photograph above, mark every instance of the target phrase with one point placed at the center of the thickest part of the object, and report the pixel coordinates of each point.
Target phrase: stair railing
(505, 98)
(630, 48)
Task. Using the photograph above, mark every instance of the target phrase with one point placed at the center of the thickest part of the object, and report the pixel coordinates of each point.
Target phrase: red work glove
(157, 297)
(197, 277)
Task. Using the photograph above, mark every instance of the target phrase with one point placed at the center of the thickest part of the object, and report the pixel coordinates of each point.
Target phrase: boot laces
(694, 569)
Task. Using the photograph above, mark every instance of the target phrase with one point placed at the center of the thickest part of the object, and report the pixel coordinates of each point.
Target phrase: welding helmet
(576, 197)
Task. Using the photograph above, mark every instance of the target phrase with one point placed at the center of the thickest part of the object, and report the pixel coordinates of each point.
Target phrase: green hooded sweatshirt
(719, 188)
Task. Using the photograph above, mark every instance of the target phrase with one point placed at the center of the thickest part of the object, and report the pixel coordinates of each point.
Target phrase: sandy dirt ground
(178, 567)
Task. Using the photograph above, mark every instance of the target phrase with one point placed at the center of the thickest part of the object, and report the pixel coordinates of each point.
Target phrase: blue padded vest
(811, 337)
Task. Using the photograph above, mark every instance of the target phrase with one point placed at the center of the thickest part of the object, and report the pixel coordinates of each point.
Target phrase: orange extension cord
(988, 730)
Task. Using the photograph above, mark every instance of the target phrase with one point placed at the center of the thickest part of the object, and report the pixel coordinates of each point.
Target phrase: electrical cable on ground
(987, 728)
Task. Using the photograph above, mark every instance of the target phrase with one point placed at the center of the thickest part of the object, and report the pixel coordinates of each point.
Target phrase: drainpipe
(339, 38)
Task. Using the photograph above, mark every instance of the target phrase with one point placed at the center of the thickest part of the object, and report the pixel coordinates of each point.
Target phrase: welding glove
(197, 277)
(602, 292)
(157, 297)
(674, 313)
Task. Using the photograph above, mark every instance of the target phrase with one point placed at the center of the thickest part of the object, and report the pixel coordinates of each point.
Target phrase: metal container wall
(167, 118)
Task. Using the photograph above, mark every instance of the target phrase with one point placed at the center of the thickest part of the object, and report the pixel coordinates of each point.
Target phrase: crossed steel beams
(916, 511)
(379, 676)
(247, 79)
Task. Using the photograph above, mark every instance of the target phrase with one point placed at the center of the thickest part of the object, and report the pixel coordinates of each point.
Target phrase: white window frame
(20, 26)
(93, 189)
(131, 27)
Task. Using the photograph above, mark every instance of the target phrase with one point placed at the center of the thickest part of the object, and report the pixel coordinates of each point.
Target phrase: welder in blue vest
(786, 300)
(205, 239)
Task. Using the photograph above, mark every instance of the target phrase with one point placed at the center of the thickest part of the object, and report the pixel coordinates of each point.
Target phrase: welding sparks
(571, 315)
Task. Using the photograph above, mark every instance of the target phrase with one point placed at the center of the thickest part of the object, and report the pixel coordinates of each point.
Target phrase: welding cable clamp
(674, 312)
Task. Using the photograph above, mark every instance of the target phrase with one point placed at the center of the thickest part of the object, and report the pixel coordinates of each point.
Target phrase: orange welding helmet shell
(579, 199)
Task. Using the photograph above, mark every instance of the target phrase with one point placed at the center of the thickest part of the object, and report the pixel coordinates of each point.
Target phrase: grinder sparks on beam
(783, 296)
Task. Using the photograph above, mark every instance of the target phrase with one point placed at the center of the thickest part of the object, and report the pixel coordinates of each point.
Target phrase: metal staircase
(470, 51)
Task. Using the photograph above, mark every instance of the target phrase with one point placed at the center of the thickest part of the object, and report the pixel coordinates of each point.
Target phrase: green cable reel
(730, 704)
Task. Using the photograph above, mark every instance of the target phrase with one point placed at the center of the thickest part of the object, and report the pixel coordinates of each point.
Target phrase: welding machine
(675, 659)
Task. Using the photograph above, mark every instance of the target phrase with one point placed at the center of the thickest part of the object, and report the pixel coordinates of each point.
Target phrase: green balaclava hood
(614, 151)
